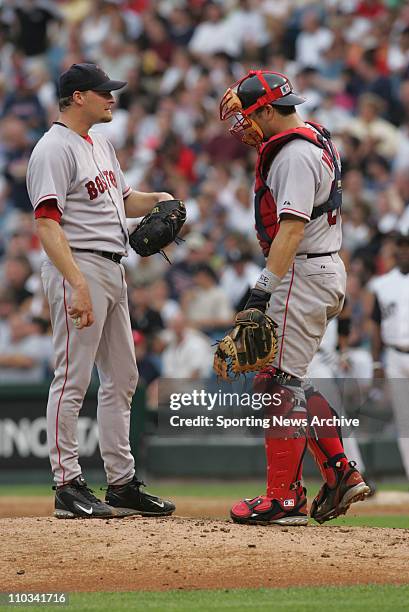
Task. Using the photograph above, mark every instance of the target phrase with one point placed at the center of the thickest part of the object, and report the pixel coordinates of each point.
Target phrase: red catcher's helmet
(256, 89)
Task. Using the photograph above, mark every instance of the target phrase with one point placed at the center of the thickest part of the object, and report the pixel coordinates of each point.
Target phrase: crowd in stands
(349, 58)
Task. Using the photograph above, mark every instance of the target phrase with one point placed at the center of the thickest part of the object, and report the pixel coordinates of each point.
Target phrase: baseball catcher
(297, 204)
(159, 228)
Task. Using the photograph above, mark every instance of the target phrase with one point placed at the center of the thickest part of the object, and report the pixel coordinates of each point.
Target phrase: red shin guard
(284, 466)
(327, 451)
(285, 444)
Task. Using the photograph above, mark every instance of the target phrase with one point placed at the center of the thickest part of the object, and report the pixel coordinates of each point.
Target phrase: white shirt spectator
(210, 38)
(235, 285)
(38, 348)
(192, 356)
(310, 46)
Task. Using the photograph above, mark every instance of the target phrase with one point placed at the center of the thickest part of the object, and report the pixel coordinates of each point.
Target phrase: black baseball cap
(84, 77)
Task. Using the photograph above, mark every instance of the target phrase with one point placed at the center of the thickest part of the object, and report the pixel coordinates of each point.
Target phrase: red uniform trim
(297, 213)
(285, 318)
(88, 139)
(127, 192)
(48, 196)
(326, 159)
(63, 387)
(48, 209)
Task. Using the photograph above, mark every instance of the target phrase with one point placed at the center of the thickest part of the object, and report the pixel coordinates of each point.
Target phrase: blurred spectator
(206, 305)
(30, 21)
(239, 275)
(398, 53)
(313, 40)
(17, 150)
(355, 231)
(371, 130)
(188, 354)
(144, 318)
(24, 351)
(213, 34)
(16, 272)
(161, 302)
(23, 104)
(148, 372)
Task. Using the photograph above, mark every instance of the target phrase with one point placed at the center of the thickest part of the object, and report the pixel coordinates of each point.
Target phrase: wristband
(267, 281)
(377, 365)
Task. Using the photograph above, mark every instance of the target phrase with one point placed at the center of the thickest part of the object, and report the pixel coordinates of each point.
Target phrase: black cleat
(130, 496)
(76, 500)
(350, 487)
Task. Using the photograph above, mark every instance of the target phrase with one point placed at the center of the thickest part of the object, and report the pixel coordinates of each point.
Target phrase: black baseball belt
(116, 257)
(313, 255)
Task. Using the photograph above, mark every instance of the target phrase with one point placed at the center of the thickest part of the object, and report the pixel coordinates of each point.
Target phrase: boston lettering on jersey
(101, 183)
(265, 206)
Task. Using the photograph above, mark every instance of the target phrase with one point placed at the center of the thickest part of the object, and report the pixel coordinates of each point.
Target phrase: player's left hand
(158, 228)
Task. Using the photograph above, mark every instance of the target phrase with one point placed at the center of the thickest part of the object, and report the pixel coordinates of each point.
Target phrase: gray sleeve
(49, 174)
(122, 184)
(294, 180)
(125, 188)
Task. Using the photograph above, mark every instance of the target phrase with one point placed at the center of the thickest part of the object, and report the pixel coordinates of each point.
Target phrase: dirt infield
(40, 553)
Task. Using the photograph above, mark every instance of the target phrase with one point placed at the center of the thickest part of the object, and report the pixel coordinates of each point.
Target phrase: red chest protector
(266, 219)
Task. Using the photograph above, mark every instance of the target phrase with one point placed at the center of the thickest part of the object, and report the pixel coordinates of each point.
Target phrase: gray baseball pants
(107, 343)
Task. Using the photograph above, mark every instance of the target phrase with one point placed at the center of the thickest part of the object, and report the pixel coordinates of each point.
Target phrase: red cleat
(264, 510)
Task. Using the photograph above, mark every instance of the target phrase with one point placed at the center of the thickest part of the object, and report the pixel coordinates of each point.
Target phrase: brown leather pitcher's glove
(248, 347)
(158, 228)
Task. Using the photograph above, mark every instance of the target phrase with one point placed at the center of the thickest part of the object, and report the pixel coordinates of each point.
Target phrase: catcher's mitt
(248, 347)
(158, 228)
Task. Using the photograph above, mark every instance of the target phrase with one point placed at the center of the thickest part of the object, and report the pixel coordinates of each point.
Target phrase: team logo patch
(285, 89)
(289, 503)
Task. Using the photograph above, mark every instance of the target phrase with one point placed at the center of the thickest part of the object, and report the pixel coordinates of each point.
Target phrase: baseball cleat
(76, 500)
(263, 510)
(332, 502)
(130, 496)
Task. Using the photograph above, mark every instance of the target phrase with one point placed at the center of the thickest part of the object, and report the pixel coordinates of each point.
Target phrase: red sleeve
(48, 209)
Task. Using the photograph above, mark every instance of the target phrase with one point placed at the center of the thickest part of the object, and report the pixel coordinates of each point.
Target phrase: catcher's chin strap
(178, 241)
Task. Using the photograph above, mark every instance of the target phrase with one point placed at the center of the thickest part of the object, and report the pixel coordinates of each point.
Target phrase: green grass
(235, 489)
(393, 521)
(375, 598)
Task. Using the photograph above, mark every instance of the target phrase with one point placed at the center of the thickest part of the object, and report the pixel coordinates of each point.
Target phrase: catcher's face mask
(231, 106)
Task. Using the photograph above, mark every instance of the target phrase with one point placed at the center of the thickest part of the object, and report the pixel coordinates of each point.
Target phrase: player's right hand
(80, 309)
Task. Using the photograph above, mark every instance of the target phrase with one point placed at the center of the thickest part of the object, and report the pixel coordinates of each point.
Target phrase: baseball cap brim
(290, 99)
(110, 86)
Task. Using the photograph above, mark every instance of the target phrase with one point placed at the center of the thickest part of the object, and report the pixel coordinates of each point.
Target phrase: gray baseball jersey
(300, 179)
(313, 290)
(85, 178)
(88, 184)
